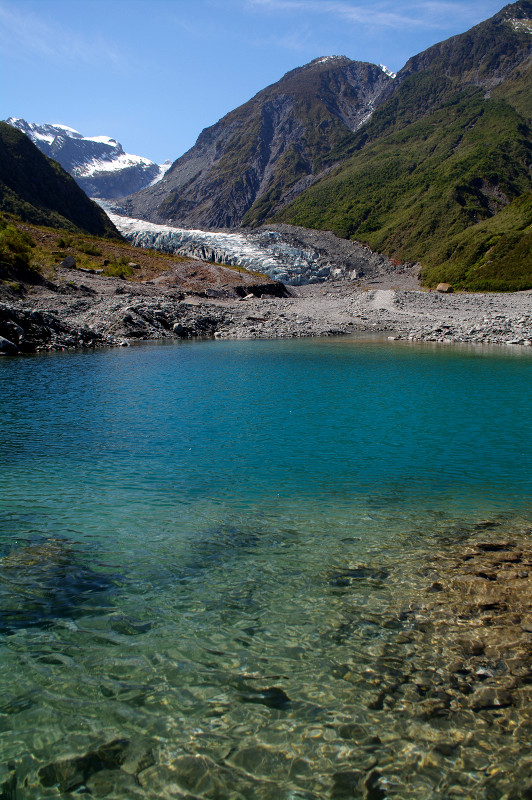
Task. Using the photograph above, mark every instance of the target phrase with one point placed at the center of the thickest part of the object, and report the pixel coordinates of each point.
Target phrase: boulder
(444, 288)
(8, 348)
(69, 262)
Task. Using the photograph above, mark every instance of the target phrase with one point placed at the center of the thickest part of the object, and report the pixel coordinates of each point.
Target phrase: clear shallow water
(200, 541)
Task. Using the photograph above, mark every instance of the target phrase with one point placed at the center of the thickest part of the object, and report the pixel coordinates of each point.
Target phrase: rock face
(98, 164)
(45, 580)
(264, 153)
(485, 56)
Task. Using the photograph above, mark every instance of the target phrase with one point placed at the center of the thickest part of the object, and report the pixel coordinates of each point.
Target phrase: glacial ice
(262, 251)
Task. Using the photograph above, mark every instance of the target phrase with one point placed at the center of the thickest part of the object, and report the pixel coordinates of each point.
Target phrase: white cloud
(25, 35)
(421, 14)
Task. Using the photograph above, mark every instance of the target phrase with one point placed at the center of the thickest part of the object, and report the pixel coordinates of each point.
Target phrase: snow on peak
(113, 163)
(387, 71)
(102, 140)
(66, 128)
(327, 59)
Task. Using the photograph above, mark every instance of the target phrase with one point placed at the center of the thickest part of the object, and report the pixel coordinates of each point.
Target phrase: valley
(113, 294)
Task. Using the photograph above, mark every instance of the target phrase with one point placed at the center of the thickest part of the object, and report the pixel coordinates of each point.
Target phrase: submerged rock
(69, 774)
(46, 580)
(273, 697)
(346, 577)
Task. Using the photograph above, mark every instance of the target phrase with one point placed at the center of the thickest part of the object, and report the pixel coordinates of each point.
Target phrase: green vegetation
(119, 268)
(438, 163)
(439, 169)
(89, 248)
(494, 255)
(16, 249)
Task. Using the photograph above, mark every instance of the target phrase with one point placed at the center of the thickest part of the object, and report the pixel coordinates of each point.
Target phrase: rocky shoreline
(81, 309)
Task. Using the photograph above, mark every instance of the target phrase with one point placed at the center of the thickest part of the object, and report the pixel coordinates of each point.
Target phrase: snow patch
(61, 127)
(521, 25)
(327, 59)
(101, 140)
(42, 137)
(387, 71)
(114, 164)
(163, 169)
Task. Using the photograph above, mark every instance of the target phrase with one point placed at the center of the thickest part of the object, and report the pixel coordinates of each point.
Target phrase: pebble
(107, 311)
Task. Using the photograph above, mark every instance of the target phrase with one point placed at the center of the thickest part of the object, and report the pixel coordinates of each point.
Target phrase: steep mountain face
(449, 148)
(38, 189)
(258, 157)
(484, 56)
(98, 164)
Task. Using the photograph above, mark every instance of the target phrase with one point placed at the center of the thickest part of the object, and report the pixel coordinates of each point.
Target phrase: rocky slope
(262, 154)
(98, 164)
(38, 190)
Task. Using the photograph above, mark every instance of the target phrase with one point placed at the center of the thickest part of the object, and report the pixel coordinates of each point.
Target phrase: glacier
(294, 256)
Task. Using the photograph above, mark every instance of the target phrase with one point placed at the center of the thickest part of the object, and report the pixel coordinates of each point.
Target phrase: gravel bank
(339, 308)
(86, 310)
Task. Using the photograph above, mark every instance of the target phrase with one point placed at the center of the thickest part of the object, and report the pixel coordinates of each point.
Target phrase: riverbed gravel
(86, 310)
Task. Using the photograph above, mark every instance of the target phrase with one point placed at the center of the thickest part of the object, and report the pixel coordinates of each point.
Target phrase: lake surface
(206, 546)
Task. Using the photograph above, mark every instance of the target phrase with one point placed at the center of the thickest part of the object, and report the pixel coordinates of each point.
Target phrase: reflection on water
(218, 575)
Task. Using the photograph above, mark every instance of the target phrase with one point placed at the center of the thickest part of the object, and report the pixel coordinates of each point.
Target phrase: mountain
(258, 157)
(98, 164)
(38, 190)
(408, 163)
(448, 150)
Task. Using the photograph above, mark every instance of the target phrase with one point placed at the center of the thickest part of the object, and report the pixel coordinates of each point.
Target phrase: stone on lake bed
(491, 697)
(71, 773)
(273, 697)
(345, 577)
(46, 580)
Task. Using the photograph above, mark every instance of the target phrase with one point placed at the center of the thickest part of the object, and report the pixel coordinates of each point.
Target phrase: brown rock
(490, 697)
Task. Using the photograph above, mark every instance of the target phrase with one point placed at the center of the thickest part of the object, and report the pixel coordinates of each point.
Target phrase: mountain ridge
(277, 142)
(447, 150)
(98, 164)
(38, 190)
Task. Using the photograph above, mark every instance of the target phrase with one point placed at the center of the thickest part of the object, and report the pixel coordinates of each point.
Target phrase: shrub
(15, 247)
(119, 269)
(89, 248)
(64, 241)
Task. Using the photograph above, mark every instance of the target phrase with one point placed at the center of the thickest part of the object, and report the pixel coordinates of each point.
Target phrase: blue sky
(154, 73)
